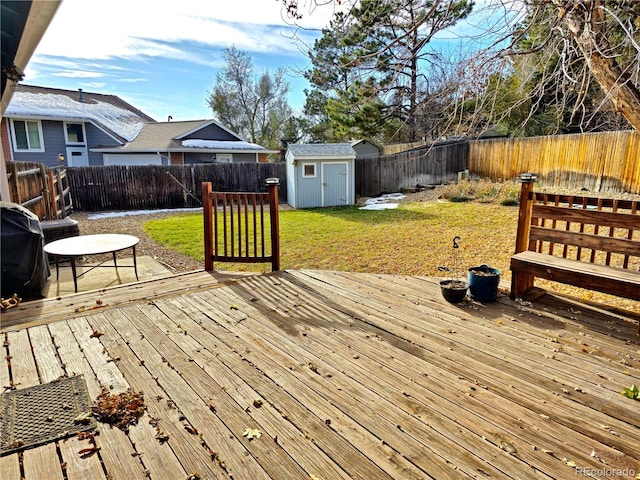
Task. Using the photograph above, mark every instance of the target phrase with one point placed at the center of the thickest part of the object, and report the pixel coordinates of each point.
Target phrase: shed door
(335, 184)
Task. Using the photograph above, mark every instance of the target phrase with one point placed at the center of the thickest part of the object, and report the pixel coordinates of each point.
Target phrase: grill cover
(25, 268)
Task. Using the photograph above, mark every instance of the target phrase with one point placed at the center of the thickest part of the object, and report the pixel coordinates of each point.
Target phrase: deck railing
(241, 227)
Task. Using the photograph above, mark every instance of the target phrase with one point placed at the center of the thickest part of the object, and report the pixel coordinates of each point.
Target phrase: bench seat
(602, 278)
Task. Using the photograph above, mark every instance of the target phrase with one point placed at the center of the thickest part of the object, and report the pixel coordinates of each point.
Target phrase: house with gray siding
(76, 128)
(187, 142)
(320, 175)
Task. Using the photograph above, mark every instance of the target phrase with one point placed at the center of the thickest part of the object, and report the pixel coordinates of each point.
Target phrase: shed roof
(343, 150)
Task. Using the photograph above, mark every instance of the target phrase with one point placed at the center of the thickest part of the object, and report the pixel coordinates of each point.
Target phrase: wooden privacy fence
(599, 162)
(151, 187)
(41, 191)
(237, 227)
(436, 164)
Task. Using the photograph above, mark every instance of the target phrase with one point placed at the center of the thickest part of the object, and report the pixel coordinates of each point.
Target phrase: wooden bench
(588, 242)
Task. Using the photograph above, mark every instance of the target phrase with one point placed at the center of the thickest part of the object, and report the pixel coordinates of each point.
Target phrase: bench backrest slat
(589, 217)
(584, 241)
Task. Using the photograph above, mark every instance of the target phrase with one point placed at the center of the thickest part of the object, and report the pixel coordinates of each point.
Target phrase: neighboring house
(365, 148)
(320, 175)
(175, 143)
(75, 128)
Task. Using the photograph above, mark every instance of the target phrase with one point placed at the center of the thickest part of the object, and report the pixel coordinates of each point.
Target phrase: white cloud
(101, 30)
(79, 74)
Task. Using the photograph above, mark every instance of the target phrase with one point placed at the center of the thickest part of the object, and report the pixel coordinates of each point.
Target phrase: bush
(483, 191)
(510, 197)
(461, 192)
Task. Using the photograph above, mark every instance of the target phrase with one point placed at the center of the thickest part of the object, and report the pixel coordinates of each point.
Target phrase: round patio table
(84, 245)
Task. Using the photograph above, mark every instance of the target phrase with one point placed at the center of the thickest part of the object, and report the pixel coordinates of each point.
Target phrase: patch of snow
(380, 206)
(382, 202)
(221, 145)
(98, 216)
(119, 120)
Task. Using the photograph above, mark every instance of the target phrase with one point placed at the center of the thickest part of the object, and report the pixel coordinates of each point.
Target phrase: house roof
(108, 112)
(161, 135)
(342, 150)
(168, 137)
(362, 140)
(136, 131)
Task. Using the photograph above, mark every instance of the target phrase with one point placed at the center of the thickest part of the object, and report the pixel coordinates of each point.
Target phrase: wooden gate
(59, 193)
(241, 227)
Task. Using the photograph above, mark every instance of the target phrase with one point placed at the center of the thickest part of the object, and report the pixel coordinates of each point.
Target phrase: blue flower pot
(483, 283)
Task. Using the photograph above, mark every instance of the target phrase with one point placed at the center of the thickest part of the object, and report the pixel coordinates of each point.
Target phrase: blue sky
(162, 57)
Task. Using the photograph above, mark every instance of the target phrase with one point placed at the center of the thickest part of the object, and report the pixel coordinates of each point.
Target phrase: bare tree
(253, 106)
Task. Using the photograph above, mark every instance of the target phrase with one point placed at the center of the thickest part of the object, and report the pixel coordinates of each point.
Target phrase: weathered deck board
(346, 375)
(186, 446)
(70, 306)
(162, 364)
(77, 353)
(561, 410)
(300, 409)
(558, 374)
(390, 360)
(231, 383)
(371, 406)
(50, 369)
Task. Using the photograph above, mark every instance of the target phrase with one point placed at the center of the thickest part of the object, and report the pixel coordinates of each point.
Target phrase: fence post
(13, 183)
(53, 196)
(208, 226)
(524, 213)
(61, 174)
(272, 187)
(520, 281)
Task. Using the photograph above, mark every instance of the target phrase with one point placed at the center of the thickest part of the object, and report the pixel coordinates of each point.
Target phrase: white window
(74, 133)
(27, 136)
(224, 158)
(308, 170)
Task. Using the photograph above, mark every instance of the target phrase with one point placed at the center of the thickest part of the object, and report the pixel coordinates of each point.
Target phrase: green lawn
(414, 239)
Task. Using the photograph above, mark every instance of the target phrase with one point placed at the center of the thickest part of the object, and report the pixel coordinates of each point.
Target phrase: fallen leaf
(87, 452)
(83, 418)
(252, 433)
(96, 334)
(191, 430)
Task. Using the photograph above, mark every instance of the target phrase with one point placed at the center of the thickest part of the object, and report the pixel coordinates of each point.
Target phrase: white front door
(77, 157)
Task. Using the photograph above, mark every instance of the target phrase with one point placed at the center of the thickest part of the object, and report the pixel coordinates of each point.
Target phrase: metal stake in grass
(455, 257)
(454, 269)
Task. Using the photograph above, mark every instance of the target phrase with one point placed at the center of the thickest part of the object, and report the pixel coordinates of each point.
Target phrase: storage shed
(320, 175)
(365, 148)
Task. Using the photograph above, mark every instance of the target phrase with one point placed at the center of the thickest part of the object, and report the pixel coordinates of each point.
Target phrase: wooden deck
(345, 375)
